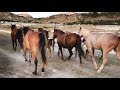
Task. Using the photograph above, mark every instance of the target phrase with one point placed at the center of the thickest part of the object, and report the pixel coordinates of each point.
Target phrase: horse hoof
(98, 71)
(43, 70)
(34, 73)
(26, 60)
(68, 58)
(96, 68)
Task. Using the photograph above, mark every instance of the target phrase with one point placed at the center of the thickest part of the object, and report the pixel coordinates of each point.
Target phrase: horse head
(40, 29)
(13, 26)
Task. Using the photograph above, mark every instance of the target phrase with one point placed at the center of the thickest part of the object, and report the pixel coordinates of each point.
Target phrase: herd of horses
(32, 40)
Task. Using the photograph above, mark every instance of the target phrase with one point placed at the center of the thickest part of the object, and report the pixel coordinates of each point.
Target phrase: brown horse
(105, 41)
(59, 33)
(50, 42)
(68, 40)
(16, 34)
(33, 40)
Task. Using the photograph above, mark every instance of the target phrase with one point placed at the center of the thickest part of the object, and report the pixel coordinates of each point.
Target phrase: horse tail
(19, 36)
(42, 44)
(53, 44)
(79, 48)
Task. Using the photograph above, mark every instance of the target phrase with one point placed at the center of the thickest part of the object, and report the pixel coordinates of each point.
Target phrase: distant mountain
(83, 18)
(26, 16)
(8, 16)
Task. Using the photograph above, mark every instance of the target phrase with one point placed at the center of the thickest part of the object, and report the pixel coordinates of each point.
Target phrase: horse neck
(61, 33)
(86, 33)
(13, 28)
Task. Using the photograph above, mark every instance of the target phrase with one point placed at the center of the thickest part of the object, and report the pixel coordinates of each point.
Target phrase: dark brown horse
(68, 40)
(33, 40)
(50, 42)
(105, 41)
(16, 35)
(59, 33)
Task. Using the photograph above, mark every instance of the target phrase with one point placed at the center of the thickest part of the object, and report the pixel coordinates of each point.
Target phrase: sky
(41, 14)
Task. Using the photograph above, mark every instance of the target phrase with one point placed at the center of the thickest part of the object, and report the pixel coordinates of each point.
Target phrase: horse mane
(26, 29)
(40, 29)
(59, 30)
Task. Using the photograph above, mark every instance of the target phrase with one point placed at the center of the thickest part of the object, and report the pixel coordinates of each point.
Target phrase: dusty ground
(12, 63)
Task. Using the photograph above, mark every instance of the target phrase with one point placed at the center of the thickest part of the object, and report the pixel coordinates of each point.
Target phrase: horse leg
(104, 62)
(101, 55)
(75, 52)
(49, 50)
(60, 48)
(29, 59)
(58, 52)
(79, 54)
(70, 51)
(53, 44)
(15, 45)
(33, 53)
(92, 57)
(87, 51)
(20, 43)
(35, 62)
(25, 50)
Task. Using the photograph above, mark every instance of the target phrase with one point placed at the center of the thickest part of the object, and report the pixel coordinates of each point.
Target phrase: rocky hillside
(7, 16)
(84, 18)
(69, 19)
(59, 18)
(26, 16)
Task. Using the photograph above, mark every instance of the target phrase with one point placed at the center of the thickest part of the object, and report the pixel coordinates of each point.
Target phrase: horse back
(99, 40)
(71, 38)
(68, 40)
(31, 39)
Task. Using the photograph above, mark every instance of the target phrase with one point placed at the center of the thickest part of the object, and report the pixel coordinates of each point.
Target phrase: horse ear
(80, 29)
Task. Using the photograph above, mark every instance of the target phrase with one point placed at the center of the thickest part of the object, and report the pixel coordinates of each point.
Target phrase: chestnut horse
(16, 34)
(68, 40)
(33, 40)
(105, 41)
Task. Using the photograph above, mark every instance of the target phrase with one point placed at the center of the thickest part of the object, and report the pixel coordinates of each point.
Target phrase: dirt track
(12, 64)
